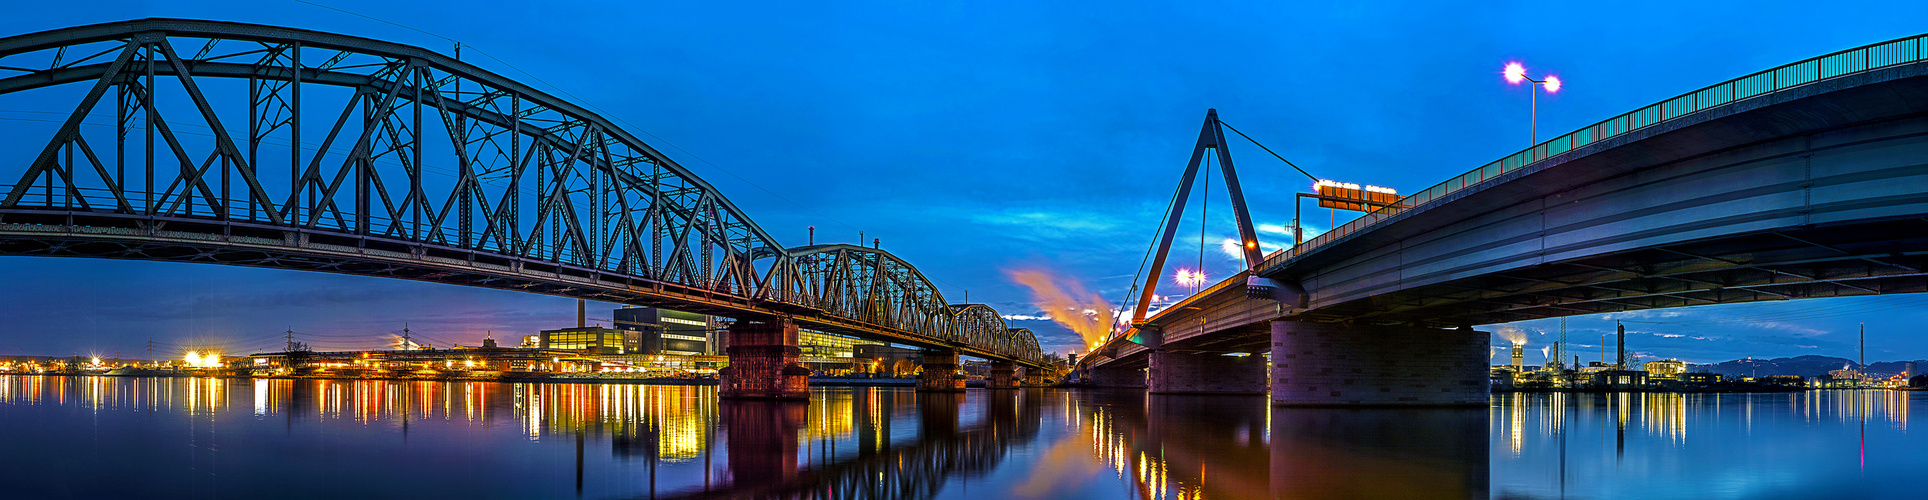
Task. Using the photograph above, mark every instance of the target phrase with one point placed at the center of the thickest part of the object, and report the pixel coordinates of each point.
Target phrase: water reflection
(385, 438)
(1665, 445)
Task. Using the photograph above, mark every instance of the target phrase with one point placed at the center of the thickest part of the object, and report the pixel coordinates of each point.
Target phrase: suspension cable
(1255, 142)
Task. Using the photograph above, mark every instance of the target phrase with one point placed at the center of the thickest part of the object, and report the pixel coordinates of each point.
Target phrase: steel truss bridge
(249, 145)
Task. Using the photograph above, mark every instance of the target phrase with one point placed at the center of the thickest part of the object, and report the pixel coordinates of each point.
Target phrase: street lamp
(1516, 73)
(1190, 279)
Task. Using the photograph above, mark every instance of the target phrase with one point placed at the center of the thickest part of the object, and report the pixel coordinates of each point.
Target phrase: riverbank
(513, 377)
(1708, 389)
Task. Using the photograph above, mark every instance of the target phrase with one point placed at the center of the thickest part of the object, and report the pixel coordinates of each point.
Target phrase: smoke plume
(1511, 334)
(1068, 303)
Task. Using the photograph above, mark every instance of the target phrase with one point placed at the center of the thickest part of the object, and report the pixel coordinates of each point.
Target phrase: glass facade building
(594, 340)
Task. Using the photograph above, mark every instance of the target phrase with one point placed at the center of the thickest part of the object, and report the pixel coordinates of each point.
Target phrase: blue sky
(978, 137)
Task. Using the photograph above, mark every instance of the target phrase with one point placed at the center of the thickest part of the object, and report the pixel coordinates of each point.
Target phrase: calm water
(101, 437)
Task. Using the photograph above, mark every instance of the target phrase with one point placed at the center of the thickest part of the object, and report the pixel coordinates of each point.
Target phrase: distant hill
(1805, 366)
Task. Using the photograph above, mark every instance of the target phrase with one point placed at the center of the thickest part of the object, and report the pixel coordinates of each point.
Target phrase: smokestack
(1519, 357)
(1623, 346)
(582, 313)
(1908, 369)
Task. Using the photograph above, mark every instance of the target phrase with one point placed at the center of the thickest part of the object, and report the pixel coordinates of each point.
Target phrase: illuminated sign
(1349, 196)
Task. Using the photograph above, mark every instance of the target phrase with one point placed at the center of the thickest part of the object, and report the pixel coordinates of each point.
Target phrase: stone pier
(1004, 375)
(1206, 373)
(763, 362)
(1333, 364)
(940, 373)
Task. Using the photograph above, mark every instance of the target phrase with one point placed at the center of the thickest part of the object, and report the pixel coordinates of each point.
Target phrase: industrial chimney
(1519, 357)
(1622, 360)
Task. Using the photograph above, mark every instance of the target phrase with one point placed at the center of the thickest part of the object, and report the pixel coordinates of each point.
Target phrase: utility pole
(406, 343)
(150, 352)
(1864, 352)
(291, 338)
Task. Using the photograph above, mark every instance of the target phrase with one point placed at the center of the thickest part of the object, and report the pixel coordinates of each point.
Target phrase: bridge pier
(763, 362)
(1122, 378)
(1004, 375)
(1190, 373)
(1333, 364)
(940, 373)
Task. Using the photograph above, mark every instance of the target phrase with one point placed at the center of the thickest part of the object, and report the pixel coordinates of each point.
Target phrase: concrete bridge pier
(763, 362)
(1334, 364)
(1121, 378)
(940, 373)
(1206, 373)
(1004, 375)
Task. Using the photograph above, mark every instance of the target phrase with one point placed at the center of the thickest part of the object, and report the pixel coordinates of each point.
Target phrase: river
(113, 437)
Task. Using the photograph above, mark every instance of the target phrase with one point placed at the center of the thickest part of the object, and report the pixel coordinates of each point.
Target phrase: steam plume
(1068, 303)
(1512, 334)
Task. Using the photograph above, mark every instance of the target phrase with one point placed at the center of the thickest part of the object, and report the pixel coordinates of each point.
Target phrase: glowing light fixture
(1515, 73)
(1189, 278)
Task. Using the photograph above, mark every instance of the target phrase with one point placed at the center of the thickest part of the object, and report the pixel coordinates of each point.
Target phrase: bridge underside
(1844, 260)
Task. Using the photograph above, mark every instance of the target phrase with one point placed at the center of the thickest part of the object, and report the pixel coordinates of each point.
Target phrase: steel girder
(290, 143)
(872, 285)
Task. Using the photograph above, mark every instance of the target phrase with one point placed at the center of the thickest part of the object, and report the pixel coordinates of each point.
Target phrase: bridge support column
(763, 362)
(940, 373)
(1004, 375)
(1331, 364)
(1187, 373)
(1123, 378)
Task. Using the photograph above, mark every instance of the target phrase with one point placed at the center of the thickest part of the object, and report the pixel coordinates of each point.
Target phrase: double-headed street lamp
(1516, 73)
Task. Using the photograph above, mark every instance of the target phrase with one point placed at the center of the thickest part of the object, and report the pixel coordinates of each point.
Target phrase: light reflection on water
(229, 438)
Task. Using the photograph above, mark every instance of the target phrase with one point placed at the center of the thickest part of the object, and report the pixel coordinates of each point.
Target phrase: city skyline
(1037, 146)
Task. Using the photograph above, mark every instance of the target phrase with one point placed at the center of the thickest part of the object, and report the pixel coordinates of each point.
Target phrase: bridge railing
(1835, 65)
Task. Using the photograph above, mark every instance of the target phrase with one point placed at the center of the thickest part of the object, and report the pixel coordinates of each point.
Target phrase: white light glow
(1515, 72)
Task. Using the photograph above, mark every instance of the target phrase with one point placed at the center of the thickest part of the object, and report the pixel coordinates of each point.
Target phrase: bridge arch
(873, 285)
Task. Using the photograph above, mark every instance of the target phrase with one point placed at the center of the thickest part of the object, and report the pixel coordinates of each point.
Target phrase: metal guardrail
(1835, 65)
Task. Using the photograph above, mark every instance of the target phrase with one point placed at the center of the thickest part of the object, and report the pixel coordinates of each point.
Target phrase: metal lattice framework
(253, 145)
(873, 286)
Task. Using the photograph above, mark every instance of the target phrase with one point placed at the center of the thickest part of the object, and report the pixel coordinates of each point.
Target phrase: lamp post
(1516, 73)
